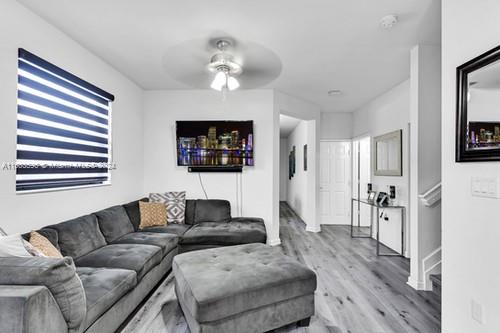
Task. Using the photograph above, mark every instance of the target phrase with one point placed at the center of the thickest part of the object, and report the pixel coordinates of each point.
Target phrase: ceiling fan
(221, 63)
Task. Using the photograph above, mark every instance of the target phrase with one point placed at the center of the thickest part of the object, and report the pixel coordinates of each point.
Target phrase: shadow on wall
(297, 206)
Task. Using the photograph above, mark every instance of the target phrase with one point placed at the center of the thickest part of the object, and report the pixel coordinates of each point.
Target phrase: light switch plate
(486, 187)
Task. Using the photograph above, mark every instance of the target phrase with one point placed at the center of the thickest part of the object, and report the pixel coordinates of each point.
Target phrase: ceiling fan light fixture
(232, 83)
(225, 68)
(219, 81)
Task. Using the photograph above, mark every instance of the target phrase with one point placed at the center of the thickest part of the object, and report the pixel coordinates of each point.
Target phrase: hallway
(358, 292)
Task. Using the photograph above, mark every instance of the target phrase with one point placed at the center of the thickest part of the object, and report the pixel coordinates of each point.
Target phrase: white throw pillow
(12, 246)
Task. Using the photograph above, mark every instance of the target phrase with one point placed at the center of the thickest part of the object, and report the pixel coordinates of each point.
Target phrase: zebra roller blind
(63, 128)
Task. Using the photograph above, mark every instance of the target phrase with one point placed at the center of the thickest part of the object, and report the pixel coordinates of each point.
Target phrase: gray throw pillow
(175, 203)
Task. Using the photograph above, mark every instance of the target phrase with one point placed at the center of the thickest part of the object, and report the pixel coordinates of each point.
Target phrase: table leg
(403, 231)
(371, 221)
(378, 231)
(352, 218)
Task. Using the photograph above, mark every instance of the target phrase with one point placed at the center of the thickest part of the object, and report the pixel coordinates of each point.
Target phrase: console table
(378, 208)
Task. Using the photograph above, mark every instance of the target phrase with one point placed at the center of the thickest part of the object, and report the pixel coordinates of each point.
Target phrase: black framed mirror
(478, 109)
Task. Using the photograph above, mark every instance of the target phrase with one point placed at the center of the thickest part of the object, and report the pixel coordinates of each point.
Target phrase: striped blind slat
(63, 128)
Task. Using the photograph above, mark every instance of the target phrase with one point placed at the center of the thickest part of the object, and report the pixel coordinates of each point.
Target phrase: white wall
(336, 125)
(161, 173)
(20, 213)
(387, 113)
(470, 225)
(298, 108)
(283, 169)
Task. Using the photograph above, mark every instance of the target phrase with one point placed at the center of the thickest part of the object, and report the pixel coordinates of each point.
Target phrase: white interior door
(335, 182)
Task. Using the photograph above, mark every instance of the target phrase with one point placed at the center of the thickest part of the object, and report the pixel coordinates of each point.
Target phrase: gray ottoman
(246, 288)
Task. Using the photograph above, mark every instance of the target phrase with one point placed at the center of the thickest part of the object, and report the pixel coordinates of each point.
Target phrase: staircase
(436, 283)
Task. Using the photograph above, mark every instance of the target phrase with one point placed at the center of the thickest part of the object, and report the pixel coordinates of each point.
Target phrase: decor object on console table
(262, 290)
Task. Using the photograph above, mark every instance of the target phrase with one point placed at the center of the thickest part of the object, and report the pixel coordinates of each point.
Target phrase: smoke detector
(388, 21)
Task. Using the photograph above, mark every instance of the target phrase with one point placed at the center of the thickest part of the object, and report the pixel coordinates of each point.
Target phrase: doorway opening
(298, 183)
(361, 171)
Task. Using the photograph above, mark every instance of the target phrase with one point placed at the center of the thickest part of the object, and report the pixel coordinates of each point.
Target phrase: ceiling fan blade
(187, 63)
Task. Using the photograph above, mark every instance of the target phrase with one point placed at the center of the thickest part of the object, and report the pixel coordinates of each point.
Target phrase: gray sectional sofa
(110, 266)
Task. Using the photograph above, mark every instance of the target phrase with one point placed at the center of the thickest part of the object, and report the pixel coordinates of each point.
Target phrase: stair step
(435, 279)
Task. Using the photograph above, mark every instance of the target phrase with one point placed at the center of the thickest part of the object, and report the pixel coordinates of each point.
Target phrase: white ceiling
(322, 44)
(287, 125)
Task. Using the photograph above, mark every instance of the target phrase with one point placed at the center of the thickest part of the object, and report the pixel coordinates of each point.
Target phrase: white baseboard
(417, 285)
(274, 242)
(313, 229)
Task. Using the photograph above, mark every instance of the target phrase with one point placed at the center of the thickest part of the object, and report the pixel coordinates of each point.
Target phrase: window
(63, 128)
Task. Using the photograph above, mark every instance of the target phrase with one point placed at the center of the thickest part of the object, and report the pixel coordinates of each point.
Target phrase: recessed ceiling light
(334, 92)
(389, 21)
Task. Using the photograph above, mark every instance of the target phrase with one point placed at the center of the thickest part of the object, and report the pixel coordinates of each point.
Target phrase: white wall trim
(431, 264)
(274, 242)
(361, 137)
(417, 285)
(335, 140)
(313, 228)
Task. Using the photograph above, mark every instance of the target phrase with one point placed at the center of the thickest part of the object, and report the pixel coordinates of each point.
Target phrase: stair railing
(432, 196)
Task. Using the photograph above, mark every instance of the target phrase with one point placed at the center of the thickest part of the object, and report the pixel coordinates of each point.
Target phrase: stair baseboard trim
(415, 284)
(313, 229)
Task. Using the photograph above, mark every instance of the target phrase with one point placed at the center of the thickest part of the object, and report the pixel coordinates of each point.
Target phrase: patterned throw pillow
(44, 245)
(175, 203)
(152, 214)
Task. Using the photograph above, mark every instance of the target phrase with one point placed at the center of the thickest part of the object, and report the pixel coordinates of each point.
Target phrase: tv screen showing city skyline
(215, 143)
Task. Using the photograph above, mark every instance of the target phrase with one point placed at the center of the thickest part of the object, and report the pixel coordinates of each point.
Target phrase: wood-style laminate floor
(358, 292)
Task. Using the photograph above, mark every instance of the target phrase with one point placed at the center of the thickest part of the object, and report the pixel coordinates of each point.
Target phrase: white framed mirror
(387, 154)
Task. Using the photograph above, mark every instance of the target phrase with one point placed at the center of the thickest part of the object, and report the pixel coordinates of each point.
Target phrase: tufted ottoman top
(217, 283)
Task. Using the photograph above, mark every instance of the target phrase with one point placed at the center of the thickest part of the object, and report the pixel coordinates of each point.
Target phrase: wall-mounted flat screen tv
(215, 143)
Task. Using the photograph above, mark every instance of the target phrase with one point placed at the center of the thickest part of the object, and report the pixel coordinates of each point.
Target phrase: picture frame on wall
(293, 160)
(305, 157)
(477, 137)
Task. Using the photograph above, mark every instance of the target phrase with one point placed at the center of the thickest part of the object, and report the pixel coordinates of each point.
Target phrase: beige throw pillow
(152, 214)
(44, 245)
